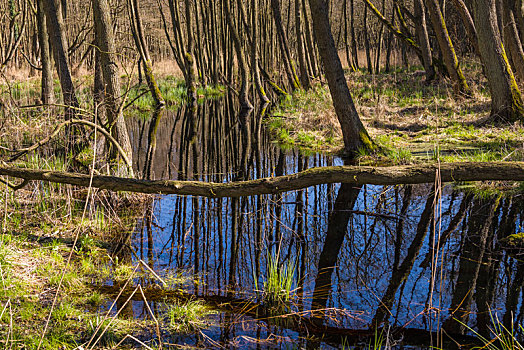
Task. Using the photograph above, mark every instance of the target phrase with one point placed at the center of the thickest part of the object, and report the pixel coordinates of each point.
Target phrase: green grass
(406, 117)
(174, 92)
(303, 120)
(187, 316)
(277, 288)
(502, 338)
(35, 241)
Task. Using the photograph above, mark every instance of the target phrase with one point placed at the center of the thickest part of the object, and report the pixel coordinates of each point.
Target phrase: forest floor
(44, 275)
(47, 278)
(412, 121)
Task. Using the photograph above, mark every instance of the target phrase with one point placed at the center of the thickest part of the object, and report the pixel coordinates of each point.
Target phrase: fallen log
(394, 175)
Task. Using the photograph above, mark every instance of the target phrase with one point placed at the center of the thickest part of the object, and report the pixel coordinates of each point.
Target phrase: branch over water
(394, 175)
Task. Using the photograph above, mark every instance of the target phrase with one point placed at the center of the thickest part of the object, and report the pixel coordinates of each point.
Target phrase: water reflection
(411, 256)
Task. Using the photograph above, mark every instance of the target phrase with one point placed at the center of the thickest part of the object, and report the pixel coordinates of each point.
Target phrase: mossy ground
(38, 226)
(412, 121)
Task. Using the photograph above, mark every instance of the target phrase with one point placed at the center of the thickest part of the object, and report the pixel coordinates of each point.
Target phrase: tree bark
(241, 60)
(511, 38)
(446, 47)
(353, 131)
(254, 56)
(468, 23)
(304, 76)
(108, 62)
(506, 100)
(55, 28)
(47, 95)
(410, 174)
(189, 57)
(140, 41)
(423, 39)
(286, 54)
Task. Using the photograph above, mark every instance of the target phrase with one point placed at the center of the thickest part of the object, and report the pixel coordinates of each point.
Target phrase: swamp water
(358, 256)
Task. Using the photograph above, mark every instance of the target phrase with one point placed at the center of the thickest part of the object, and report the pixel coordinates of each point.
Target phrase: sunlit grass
(187, 316)
(277, 287)
(502, 337)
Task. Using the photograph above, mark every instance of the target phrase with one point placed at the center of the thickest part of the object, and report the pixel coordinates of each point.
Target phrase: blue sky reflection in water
(377, 238)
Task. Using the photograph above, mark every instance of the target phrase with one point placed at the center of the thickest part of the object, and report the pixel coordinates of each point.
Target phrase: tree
(423, 39)
(241, 60)
(107, 53)
(141, 45)
(446, 47)
(45, 56)
(506, 100)
(58, 40)
(284, 47)
(355, 135)
(511, 38)
(464, 13)
(304, 76)
(189, 58)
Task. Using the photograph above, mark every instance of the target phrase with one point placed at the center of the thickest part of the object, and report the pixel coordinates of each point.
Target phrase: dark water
(371, 255)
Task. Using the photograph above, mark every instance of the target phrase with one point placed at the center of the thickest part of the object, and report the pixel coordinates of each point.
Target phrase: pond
(421, 258)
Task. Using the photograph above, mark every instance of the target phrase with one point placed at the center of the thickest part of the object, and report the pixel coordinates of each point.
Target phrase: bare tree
(353, 131)
(47, 96)
(143, 50)
(55, 28)
(506, 100)
(423, 39)
(446, 47)
(108, 62)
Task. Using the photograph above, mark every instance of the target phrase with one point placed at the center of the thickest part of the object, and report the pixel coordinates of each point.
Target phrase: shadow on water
(405, 257)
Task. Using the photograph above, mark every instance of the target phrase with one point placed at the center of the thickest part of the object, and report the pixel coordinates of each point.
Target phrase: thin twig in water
(131, 337)
(152, 316)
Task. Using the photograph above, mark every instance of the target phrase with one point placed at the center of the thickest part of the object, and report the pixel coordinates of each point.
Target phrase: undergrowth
(411, 121)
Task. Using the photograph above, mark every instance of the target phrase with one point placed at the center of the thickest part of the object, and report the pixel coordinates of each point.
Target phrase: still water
(413, 257)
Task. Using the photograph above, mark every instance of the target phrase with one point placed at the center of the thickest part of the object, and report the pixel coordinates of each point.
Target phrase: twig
(152, 316)
(15, 187)
(112, 306)
(135, 339)
(42, 142)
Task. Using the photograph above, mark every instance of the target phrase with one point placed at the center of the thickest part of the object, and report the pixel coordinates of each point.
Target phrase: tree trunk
(423, 39)
(309, 41)
(511, 39)
(446, 47)
(304, 76)
(140, 42)
(286, 54)
(241, 60)
(353, 131)
(47, 95)
(396, 175)
(189, 57)
(468, 23)
(366, 42)
(506, 100)
(59, 44)
(354, 46)
(108, 62)
(254, 56)
(519, 16)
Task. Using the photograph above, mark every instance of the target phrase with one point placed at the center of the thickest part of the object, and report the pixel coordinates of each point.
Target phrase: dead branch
(408, 174)
(21, 152)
